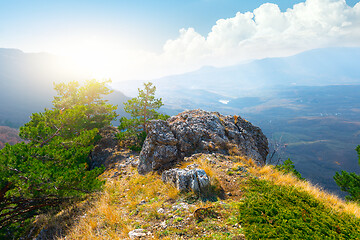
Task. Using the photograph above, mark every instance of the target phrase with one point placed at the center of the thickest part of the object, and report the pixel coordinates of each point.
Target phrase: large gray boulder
(198, 131)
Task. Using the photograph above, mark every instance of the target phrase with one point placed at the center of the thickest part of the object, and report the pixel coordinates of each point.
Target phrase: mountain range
(318, 67)
(308, 105)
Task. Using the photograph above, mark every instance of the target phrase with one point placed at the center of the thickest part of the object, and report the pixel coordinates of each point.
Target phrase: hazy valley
(308, 107)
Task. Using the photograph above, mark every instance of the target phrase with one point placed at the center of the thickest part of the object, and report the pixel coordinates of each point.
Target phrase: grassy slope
(251, 203)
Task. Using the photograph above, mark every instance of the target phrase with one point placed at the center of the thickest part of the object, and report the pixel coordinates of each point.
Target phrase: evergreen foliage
(270, 211)
(51, 167)
(349, 182)
(288, 167)
(142, 109)
(144, 106)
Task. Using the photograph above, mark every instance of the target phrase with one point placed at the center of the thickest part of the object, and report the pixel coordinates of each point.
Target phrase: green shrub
(281, 212)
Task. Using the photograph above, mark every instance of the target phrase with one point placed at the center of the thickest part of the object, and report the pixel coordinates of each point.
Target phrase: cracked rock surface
(199, 131)
(187, 179)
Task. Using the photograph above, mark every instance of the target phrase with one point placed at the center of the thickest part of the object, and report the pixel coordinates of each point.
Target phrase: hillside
(216, 188)
(246, 202)
(8, 135)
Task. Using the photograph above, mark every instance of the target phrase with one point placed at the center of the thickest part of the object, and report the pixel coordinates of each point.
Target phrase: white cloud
(265, 32)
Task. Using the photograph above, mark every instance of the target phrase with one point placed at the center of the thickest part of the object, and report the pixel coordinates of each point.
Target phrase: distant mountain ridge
(318, 67)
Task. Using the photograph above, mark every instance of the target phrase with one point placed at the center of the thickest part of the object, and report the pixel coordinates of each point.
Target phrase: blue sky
(172, 34)
(24, 23)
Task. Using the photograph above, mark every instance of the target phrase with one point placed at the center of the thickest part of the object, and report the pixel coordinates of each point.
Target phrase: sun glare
(97, 57)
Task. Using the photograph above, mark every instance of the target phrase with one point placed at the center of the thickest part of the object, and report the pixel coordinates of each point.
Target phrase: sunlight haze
(152, 39)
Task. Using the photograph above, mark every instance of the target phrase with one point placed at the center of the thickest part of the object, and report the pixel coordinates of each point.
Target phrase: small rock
(135, 163)
(121, 166)
(161, 210)
(142, 202)
(192, 166)
(104, 152)
(213, 162)
(163, 224)
(137, 234)
(185, 179)
(181, 206)
(115, 174)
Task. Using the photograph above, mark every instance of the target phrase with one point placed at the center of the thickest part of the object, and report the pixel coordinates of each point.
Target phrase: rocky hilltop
(198, 131)
(209, 181)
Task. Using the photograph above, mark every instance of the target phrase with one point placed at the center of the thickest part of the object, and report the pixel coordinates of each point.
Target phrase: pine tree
(51, 167)
(349, 182)
(144, 106)
(142, 109)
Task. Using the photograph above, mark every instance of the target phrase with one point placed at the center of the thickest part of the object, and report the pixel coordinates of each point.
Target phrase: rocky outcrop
(198, 131)
(194, 179)
(106, 150)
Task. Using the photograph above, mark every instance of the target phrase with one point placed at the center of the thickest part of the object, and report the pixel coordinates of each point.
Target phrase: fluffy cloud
(268, 32)
(265, 32)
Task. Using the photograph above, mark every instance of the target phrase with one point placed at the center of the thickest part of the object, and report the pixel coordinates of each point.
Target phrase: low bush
(273, 211)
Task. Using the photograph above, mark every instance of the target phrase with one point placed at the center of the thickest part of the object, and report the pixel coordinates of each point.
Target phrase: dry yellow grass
(115, 211)
(118, 209)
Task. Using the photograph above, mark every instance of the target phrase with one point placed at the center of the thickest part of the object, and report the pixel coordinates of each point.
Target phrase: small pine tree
(142, 109)
(144, 106)
(288, 167)
(349, 182)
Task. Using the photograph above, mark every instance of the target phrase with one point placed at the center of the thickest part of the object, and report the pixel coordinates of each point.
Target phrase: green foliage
(349, 182)
(140, 139)
(270, 211)
(52, 167)
(129, 127)
(288, 167)
(142, 109)
(95, 110)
